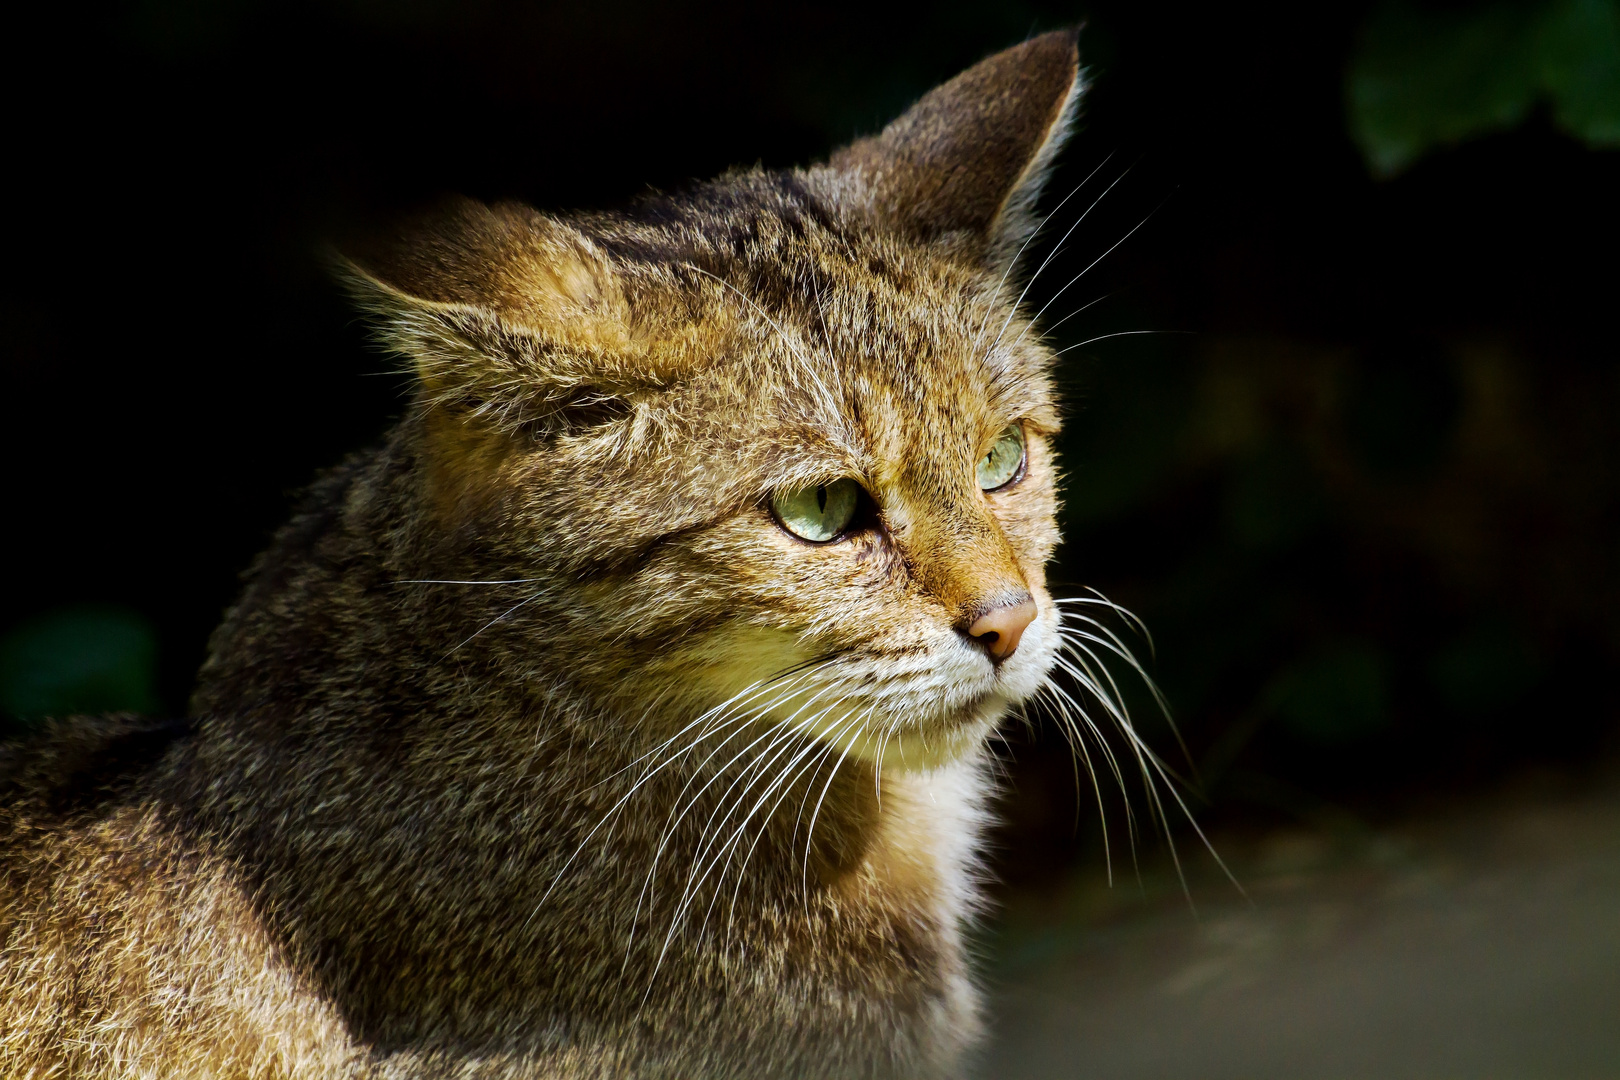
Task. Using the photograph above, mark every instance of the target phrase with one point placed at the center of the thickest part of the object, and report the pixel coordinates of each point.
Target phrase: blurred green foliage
(1426, 77)
(88, 659)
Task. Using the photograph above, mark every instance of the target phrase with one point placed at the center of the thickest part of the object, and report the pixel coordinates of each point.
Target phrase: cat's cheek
(853, 572)
(1031, 531)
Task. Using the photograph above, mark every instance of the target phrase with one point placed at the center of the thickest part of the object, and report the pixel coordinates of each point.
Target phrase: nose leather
(999, 629)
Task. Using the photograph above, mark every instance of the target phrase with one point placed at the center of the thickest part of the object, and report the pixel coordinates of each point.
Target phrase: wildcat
(624, 713)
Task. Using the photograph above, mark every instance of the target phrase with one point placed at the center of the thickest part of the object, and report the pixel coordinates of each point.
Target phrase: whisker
(729, 849)
(1148, 763)
(521, 603)
(1053, 299)
(787, 727)
(780, 741)
(1078, 754)
(802, 669)
(877, 770)
(1118, 648)
(821, 752)
(1087, 679)
(1050, 330)
(810, 833)
(680, 810)
(677, 814)
(695, 882)
(1047, 261)
(748, 693)
(639, 783)
(1077, 634)
(1012, 264)
(1098, 599)
(1120, 333)
(1077, 645)
(1102, 744)
(653, 770)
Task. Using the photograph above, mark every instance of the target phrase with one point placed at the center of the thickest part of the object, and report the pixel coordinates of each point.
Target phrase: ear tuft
(966, 164)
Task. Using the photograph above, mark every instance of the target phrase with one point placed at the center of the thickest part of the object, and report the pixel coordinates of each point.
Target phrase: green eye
(818, 513)
(1005, 460)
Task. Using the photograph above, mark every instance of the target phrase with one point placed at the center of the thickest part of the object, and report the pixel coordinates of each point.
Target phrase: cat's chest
(924, 845)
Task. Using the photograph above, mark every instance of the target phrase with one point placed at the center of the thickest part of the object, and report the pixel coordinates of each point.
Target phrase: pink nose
(999, 629)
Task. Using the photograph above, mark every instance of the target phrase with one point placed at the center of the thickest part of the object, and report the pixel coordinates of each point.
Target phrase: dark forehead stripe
(723, 219)
(765, 232)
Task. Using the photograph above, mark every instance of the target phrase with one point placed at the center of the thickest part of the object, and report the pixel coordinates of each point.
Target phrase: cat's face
(897, 372)
(773, 456)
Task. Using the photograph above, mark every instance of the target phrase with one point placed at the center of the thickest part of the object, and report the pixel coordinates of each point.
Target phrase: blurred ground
(1482, 940)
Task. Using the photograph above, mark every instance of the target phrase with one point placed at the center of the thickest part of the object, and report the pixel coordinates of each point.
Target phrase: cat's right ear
(964, 166)
(504, 316)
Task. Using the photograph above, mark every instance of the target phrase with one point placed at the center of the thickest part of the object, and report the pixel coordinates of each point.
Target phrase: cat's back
(72, 792)
(112, 960)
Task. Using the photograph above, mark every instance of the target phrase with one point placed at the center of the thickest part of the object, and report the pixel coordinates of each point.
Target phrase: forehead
(929, 354)
(816, 348)
(904, 338)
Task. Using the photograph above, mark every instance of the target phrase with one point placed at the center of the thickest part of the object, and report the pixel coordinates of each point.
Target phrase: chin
(925, 747)
(940, 740)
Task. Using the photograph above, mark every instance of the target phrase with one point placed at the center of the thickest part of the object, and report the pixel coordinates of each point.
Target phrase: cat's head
(777, 448)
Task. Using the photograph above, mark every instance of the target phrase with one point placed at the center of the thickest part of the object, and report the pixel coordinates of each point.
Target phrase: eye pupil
(818, 512)
(1004, 462)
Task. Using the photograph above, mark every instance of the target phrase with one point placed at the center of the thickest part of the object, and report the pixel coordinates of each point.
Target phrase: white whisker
(1120, 333)
(1053, 299)
(1012, 263)
(730, 846)
(1077, 633)
(1045, 262)
(681, 809)
(526, 600)
(1050, 330)
(451, 581)
(810, 833)
(787, 728)
(822, 750)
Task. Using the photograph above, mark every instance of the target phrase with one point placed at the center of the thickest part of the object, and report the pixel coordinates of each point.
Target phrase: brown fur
(428, 828)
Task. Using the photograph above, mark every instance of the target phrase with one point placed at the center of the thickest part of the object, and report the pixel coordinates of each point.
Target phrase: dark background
(1365, 495)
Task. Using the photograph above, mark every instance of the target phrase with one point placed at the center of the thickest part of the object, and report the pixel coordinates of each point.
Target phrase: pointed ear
(965, 165)
(504, 315)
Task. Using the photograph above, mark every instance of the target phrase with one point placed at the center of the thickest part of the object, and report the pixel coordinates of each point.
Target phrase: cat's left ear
(965, 165)
(506, 315)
